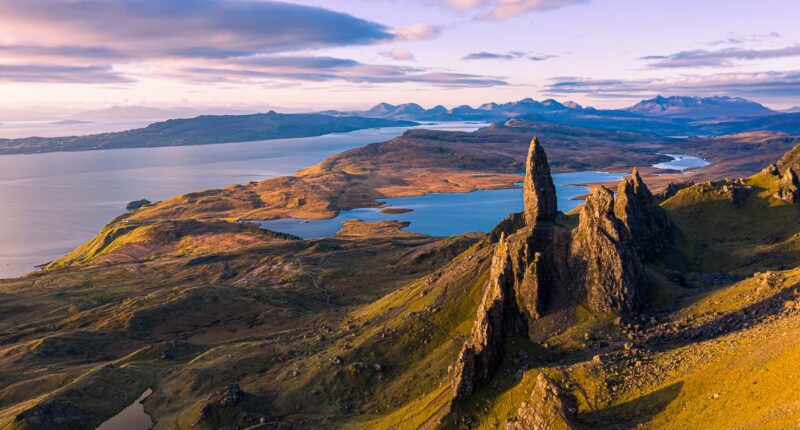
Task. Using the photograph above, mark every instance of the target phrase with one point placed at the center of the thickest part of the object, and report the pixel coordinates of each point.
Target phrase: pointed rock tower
(528, 268)
(540, 268)
(647, 224)
(539, 191)
(604, 260)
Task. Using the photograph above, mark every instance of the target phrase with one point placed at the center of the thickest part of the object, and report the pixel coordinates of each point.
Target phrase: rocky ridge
(540, 267)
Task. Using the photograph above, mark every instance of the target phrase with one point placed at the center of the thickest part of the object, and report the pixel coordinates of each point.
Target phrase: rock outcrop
(549, 408)
(539, 191)
(52, 415)
(647, 224)
(788, 188)
(498, 318)
(539, 266)
(604, 260)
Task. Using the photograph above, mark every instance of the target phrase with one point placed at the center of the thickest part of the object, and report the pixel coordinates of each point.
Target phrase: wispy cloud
(60, 74)
(416, 32)
(500, 10)
(483, 55)
(738, 39)
(465, 4)
(718, 58)
(398, 54)
(763, 84)
(505, 9)
(509, 55)
(322, 69)
(541, 57)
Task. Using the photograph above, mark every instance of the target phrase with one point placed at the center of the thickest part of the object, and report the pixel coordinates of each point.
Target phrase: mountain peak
(699, 107)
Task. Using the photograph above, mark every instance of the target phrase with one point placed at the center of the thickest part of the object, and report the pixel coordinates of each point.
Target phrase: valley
(232, 325)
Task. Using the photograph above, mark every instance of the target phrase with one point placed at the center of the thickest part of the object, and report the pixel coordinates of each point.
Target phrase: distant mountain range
(205, 129)
(700, 107)
(666, 116)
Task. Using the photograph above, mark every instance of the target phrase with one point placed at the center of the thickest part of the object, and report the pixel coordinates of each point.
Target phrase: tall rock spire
(647, 223)
(538, 188)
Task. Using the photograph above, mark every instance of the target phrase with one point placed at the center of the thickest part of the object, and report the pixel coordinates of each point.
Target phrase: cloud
(544, 57)
(60, 74)
(736, 39)
(202, 40)
(398, 54)
(465, 4)
(157, 27)
(509, 55)
(505, 9)
(718, 58)
(777, 85)
(500, 10)
(323, 69)
(60, 51)
(483, 55)
(416, 32)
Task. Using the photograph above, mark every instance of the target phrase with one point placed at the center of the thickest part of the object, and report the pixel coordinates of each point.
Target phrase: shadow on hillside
(631, 414)
(729, 322)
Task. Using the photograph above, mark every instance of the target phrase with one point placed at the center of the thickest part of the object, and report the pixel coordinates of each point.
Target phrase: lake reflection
(51, 203)
(447, 214)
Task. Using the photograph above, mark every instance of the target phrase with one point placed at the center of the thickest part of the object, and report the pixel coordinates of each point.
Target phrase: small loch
(131, 418)
(455, 213)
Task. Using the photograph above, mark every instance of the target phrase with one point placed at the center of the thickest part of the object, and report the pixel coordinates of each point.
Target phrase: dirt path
(328, 296)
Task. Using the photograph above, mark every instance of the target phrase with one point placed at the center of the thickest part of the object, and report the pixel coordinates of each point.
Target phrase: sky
(349, 54)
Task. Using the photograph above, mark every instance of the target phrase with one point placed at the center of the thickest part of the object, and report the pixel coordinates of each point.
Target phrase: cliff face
(540, 266)
(646, 222)
(604, 261)
(498, 318)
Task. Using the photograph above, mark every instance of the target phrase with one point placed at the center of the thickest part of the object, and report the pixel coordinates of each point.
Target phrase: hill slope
(635, 312)
(202, 130)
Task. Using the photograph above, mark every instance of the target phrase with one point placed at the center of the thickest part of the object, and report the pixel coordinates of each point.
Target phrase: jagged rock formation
(789, 188)
(674, 187)
(539, 191)
(498, 318)
(549, 408)
(646, 222)
(604, 259)
(540, 266)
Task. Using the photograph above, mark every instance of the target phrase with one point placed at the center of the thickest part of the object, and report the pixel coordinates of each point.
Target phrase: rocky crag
(540, 267)
(548, 408)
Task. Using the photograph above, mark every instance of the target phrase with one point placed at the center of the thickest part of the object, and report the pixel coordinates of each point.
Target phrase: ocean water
(51, 203)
